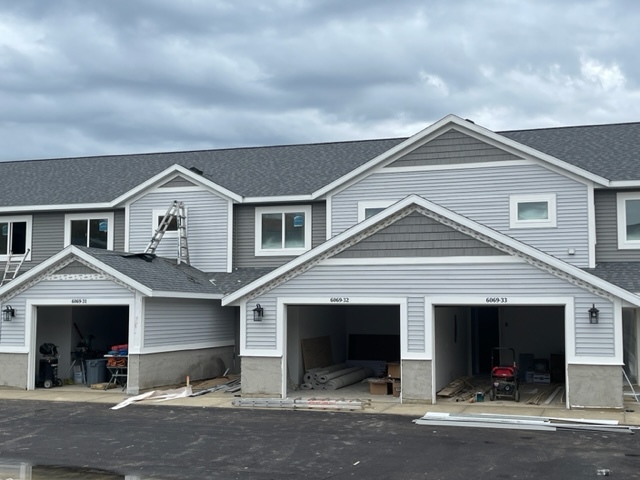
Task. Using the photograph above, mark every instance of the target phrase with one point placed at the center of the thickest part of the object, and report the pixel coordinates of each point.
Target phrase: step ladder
(177, 211)
(11, 268)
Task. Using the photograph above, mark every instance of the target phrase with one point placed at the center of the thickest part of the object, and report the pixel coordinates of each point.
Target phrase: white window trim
(68, 218)
(155, 223)
(623, 243)
(260, 252)
(363, 206)
(515, 200)
(29, 220)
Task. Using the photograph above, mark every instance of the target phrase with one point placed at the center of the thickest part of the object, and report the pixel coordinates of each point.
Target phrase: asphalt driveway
(165, 442)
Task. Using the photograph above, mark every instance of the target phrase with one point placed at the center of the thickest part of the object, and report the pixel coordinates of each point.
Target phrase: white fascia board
(439, 210)
(624, 184)
(170, 173)
(172, 294)
(71, 250)
(51, 208)
(279, 199)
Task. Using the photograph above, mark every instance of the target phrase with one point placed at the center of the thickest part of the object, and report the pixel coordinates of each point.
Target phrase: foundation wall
(595, 386)
(262, 377)
(416, 381)
(13, 370)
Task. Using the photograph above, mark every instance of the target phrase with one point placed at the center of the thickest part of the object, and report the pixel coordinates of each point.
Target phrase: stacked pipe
(334, 377)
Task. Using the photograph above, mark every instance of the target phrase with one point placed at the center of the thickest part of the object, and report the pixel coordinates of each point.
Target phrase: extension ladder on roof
(177, 211)
(11, 269)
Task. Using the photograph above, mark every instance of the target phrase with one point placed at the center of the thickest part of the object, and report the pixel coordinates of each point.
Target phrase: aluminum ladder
(11, 269)
(177, 211)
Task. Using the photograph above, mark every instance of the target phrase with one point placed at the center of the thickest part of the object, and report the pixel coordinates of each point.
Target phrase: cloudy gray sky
(81, 77)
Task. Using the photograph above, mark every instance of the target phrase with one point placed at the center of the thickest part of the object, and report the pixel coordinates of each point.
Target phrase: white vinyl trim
(260, 211)
(460, 166)
(423, 260)
(621, 201)
(68, 218)
(373, 204)
(28, 219)
(516, 200)
(591, 215)
(186, 346)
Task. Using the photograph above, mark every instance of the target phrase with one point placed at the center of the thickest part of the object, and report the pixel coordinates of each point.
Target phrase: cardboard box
(393, 370)
(379, 386)
(396, 387)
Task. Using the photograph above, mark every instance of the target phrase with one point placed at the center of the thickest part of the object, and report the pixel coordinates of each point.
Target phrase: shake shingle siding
(482, 194)
(452, 148)
(207, 227)
(418, 236)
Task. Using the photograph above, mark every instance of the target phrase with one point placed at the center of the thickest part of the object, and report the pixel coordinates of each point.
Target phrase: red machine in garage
(504, 375)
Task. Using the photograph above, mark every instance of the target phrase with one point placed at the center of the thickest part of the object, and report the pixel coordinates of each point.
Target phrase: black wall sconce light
(8, 313)
(593, 314)
(258, 313)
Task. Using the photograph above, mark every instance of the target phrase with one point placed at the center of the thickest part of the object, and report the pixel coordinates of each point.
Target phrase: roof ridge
(226, 149)
(598, 125)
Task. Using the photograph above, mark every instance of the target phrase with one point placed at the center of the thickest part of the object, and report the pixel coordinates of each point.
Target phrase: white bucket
(77, 377)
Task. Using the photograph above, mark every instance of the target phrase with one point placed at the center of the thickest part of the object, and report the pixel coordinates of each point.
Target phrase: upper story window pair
(283, 230)
(89, 230)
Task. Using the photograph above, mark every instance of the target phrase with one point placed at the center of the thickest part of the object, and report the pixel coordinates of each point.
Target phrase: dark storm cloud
(88, 77)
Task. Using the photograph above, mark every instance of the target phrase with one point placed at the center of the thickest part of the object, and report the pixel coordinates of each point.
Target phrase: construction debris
(334, 377)
(300, 403)
(220, 384)
(517, 422)
(156, 395)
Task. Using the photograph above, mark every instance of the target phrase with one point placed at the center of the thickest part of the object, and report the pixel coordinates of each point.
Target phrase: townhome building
(430, 250)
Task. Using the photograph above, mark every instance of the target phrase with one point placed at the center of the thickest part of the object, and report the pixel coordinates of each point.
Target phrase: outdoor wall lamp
(258, 313)
(8, 313)
(593, 314)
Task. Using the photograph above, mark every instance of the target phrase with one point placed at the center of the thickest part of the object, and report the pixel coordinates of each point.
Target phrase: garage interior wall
(341, 323)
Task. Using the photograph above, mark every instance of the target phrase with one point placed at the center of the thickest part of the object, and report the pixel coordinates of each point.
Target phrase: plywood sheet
(316, 352)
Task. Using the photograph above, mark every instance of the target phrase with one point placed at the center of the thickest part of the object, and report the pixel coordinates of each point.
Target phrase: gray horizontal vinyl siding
(607, 230)
(244, 237)
(207, 227)
(13, 333)
(482, 194)
(450, 148)
(181, 322)
(418, 236)
(415, 281)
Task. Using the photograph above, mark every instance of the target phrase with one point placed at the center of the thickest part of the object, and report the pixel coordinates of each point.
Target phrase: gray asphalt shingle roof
(623, 274)
(166, 275)
(612, 151)
(249, 172)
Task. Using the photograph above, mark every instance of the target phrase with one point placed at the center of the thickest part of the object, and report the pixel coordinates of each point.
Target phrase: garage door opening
(83, 336)
(470, 340)
(355, 335)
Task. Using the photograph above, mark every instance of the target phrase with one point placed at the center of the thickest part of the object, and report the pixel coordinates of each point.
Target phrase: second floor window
(532, 211)
(15, 236)
(628, 220)
(94, 231)
(283, 230)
